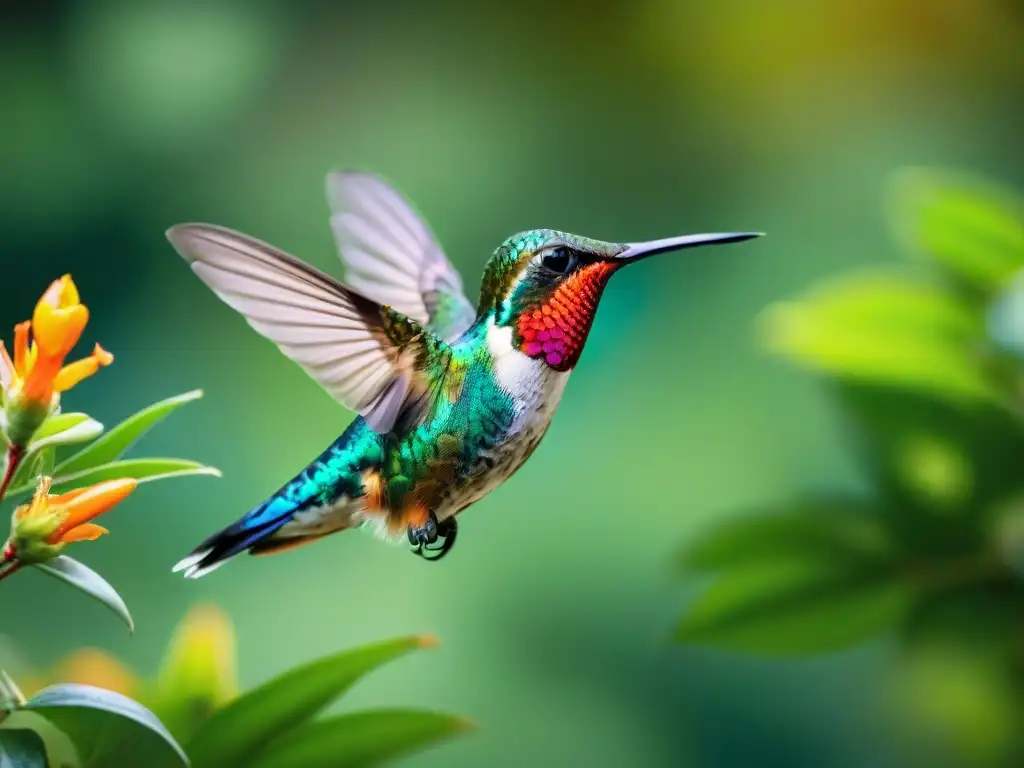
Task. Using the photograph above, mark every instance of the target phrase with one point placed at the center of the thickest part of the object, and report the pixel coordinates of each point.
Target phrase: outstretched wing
(391, 256)
(342, 339)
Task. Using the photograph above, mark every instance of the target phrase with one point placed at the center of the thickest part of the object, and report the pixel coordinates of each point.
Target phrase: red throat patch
(556, 330)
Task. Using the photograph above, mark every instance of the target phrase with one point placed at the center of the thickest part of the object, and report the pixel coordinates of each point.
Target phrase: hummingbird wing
(390, 254)
(363, 354)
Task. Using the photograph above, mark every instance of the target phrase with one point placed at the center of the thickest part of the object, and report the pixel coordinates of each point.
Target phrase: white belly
(535, 390)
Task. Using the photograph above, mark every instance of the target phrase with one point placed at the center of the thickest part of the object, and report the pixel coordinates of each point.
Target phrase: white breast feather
(535, 388)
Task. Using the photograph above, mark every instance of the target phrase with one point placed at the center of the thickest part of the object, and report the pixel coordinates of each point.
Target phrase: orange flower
(37, 371)
(41, 528)
(91, 666)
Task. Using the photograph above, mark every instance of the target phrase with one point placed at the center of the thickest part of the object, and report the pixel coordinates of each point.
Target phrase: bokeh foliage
(98, 713)
(926, 364)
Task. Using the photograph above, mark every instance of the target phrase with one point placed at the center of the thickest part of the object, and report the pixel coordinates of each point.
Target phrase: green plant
(927, 364)
(33, 430)
(193, 701)
(93, 479)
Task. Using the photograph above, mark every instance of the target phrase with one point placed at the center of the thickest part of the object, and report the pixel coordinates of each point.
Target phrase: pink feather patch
(557, 329)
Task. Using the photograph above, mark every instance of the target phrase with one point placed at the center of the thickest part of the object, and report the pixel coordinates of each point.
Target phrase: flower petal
(21, 358)
(7, 369)
(83, 532)
(40, 500)
(59, 318)
(61, 293)
(61, 499)
(68, 296)
(38, 387)
(102, 356)
(93, 501)
(58, 330)
(72, 374)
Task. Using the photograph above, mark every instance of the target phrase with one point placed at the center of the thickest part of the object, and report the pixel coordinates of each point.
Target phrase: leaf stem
(7, 567)
(15, 453)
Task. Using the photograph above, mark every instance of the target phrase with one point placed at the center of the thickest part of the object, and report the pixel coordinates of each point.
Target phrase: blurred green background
(622, 121)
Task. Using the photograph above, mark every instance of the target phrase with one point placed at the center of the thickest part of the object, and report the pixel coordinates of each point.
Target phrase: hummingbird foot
(421, 536)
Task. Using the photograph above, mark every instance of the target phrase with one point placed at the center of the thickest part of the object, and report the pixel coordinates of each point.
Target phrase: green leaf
(359, 739)
(62, 429)
(59, 422)
(76, 574)
(10, 694)
(199, 673)
(821, 528)
(31, 467)
(66, 429)
(107, 728)
(112, 446)
(882, 330)
(21, 748)
(805, 605)
(888, 300)
(46, 458)
(972, 228)
(237, 733)
(143, 470)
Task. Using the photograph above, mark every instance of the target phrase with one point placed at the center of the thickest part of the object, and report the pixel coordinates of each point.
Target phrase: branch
(15, 453)
(7, 567)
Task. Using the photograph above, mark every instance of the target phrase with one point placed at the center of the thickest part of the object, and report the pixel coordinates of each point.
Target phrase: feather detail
(390, 254)
(343, 339)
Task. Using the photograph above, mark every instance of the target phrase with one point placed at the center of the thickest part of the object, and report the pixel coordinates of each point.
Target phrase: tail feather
(245, 534)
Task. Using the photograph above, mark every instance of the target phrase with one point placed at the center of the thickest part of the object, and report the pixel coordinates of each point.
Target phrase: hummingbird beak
(637, 251)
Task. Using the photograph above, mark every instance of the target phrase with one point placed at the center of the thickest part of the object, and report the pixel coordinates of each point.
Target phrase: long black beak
(637, 251)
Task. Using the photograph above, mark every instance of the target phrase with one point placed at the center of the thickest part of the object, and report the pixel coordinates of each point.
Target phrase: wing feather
(333, 332)
(390, 254)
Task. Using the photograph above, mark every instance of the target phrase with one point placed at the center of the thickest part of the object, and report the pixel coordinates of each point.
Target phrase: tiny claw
(447, 530)
(424, 534)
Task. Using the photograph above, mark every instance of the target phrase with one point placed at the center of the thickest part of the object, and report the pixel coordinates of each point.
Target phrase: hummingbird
(451, 400)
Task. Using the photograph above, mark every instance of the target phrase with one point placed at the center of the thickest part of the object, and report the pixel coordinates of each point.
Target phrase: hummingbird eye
(561, 260)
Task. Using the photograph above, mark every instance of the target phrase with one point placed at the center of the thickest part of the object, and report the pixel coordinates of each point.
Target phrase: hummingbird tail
(245, 534)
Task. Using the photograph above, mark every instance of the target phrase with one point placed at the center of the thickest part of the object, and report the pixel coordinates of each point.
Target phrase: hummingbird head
(545, 285)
